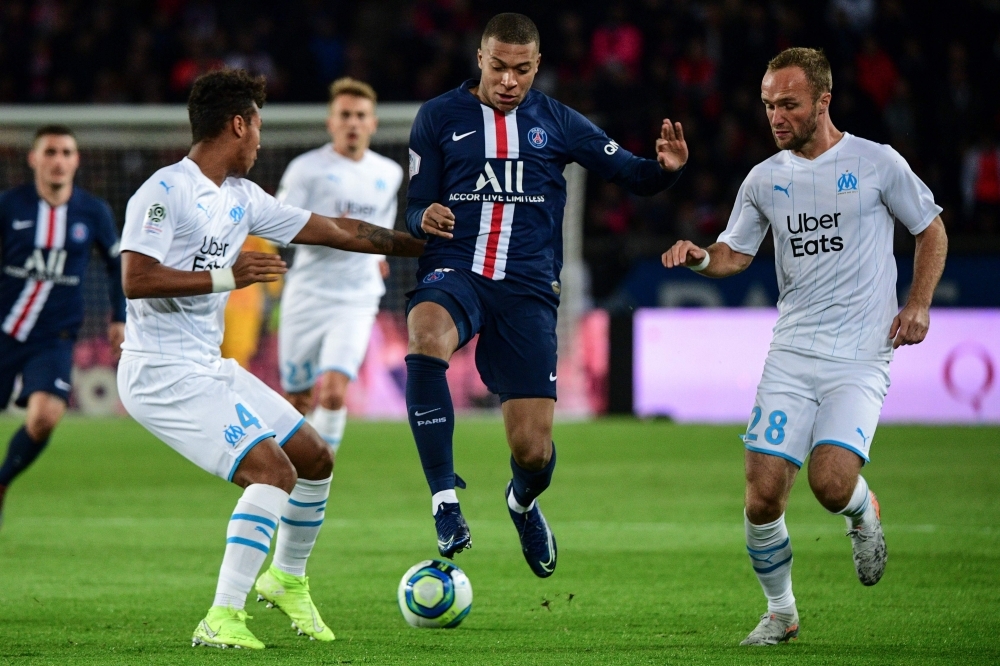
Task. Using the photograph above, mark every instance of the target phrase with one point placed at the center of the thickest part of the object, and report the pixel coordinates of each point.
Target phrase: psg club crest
(436, 275)
(78, 232)
(537, 137)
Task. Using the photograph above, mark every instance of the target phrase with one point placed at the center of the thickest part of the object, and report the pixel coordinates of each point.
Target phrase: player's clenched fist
(910, 326)
(683, 253)
(251, 267)
(438, 220)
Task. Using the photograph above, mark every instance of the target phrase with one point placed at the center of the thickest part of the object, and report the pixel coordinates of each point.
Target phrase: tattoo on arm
(381, 239)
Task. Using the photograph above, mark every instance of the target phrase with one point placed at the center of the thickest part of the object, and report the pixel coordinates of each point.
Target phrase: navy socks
(529, 485)
(432, 418)
(21, 452)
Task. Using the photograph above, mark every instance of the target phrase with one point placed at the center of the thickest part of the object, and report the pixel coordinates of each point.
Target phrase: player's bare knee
(332, 398)
(531, 451)
(833, 491)
(41, 424)
(301, 401)
(764, 503)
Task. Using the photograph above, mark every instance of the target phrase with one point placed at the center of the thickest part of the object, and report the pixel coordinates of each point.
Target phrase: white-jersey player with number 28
(180, 257)
(830, 199)
(331, 297)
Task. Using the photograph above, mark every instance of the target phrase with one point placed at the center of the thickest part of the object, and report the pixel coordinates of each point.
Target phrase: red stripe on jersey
(501, 122)
(496, 221)
(51, 237)
(27, 308)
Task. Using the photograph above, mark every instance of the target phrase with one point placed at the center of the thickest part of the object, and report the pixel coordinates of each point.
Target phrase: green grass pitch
(112, 543)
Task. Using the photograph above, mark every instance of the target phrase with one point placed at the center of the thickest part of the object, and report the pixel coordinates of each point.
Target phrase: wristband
(703, 264)
(222, 280)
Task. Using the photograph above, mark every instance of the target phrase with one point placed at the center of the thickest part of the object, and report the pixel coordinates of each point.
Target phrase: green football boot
(225, 627)
(290, 595)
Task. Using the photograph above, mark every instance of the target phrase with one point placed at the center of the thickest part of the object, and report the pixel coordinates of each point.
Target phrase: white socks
(859, 510)
(445, 496)
(770, 552)
(330, 424)
(248, 541)
(300, 523)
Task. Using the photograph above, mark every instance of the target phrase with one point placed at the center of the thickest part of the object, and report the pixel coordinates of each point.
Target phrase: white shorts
(210, 414)
(331, 339)
(804, 401)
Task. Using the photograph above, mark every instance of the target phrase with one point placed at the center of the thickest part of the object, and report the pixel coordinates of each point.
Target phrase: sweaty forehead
(510, 54)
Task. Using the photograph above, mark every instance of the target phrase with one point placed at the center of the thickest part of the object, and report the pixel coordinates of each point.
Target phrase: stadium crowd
(910, 74)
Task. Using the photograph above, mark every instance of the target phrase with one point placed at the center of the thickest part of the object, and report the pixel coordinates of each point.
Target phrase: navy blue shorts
(44, 365)
(516, 352)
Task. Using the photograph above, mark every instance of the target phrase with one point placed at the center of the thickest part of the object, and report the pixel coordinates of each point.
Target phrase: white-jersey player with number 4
(331, 297)
(831, 200)
(180, 257)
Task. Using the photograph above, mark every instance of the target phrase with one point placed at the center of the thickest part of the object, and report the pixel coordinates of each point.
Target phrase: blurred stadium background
(905, 73)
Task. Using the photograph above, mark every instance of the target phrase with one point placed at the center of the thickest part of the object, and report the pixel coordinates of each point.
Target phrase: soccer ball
(435, 594)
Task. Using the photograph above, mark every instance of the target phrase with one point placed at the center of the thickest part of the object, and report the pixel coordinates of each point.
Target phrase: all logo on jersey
(489, 176)
(155, 215)
(611, 148)
(44, 269)
(79, 232)
(847, 182)
(236, 213)
(537, 138)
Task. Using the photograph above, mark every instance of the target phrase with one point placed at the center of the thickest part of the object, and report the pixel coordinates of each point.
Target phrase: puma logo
(779, 188)
(861, 432)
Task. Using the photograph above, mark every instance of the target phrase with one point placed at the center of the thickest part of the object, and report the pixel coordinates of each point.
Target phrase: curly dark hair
(218, 97)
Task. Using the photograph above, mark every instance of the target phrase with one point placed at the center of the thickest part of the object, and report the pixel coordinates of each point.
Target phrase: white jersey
(328, 183)
(832, 220)
(185, 221)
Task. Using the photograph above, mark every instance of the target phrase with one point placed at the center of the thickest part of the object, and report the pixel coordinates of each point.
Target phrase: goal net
(121, 146)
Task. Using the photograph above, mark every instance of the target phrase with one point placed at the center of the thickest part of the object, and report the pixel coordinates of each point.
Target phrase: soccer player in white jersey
(331, 297)
(830, 200)
(181, 256)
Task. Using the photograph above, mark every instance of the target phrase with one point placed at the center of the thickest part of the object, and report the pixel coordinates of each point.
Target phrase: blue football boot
(452, 530)
(537, 541)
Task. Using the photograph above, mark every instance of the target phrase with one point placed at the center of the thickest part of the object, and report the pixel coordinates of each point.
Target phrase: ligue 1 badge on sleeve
(556, 288)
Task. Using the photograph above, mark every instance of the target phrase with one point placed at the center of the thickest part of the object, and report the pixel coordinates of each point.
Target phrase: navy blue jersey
(501, 175)
(45, 252)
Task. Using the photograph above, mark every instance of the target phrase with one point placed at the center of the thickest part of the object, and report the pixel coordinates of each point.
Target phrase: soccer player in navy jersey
(487, 191)
(48, 229)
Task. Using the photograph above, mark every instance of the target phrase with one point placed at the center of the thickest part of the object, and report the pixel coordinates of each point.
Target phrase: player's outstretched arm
(722, 260)
(145, 277)
(911, 324)
(344, 233)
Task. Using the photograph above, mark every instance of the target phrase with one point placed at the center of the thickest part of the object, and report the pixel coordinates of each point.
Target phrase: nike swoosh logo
(552, 377)
(317, 625)
(430, 411)
(445, 545)
(21, 225)
(62, 384)
(208, 629)
(455, 136)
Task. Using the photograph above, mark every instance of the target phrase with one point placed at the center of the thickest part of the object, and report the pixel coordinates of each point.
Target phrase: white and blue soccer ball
(435, 594)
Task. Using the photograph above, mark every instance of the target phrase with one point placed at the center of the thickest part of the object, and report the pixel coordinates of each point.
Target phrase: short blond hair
(349, 86)
(812, 62)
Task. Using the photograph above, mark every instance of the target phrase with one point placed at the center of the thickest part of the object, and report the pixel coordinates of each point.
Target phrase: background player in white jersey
(830, 200)
(181, 256)
(331, 297)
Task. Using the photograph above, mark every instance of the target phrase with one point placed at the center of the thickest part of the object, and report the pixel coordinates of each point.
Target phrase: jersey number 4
(246, 418)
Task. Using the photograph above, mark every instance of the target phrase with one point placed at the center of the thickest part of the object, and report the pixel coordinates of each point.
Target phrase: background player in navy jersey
(47, 231)
(486, 188)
